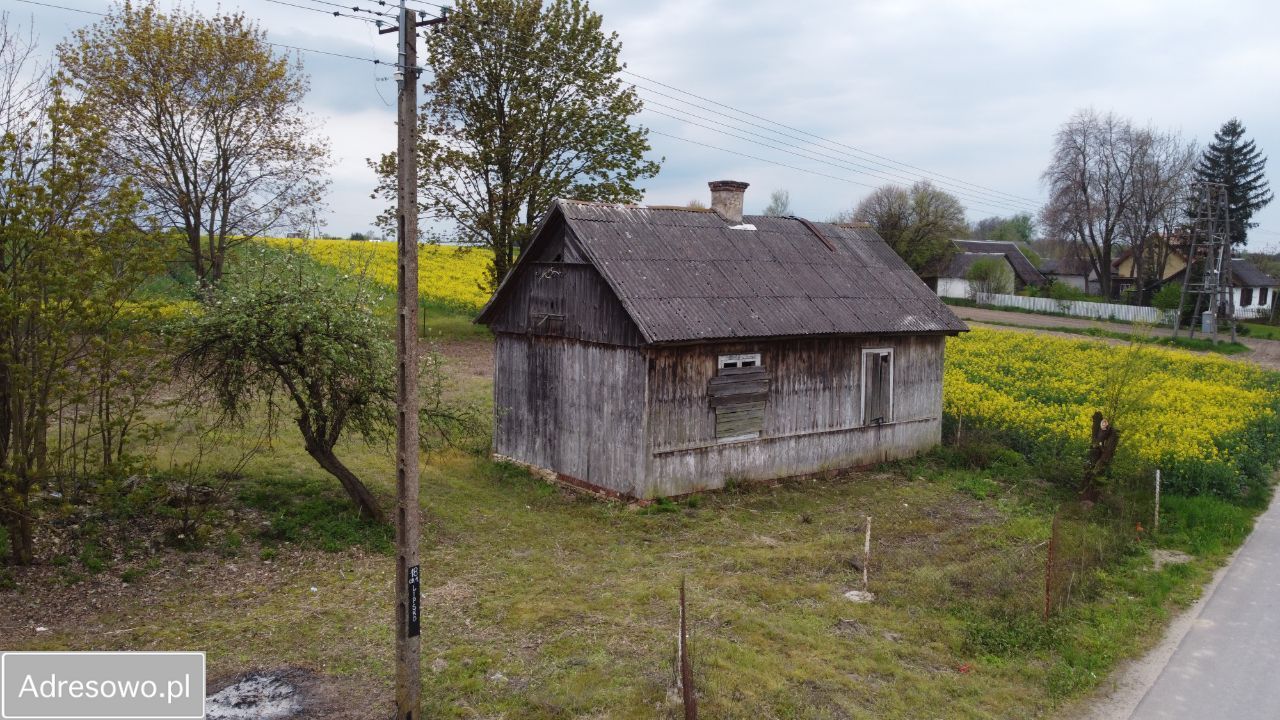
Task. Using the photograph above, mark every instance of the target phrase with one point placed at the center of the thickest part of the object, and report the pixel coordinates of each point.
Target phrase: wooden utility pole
(408, 530)
(408, 574)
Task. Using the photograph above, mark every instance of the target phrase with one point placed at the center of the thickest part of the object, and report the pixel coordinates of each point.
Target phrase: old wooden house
(658, 351)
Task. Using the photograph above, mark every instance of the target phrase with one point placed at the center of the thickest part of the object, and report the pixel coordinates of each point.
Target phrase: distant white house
(1254, 291)
(953, 280)
(1074, 272)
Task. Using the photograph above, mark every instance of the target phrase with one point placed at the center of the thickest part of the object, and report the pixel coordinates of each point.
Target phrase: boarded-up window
(877, 386)
(546, 299)
(737, 394)
(1246, 297)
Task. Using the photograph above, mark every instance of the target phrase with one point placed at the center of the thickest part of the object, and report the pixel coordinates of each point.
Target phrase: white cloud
(973, 89)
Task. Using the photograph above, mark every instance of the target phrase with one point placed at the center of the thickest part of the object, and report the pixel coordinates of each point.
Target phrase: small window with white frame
(877, 386)
(744, 360)
(737, 394)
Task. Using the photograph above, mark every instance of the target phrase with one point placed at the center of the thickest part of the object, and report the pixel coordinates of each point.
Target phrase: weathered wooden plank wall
(571, 407)
(561, 295)
(813, 385)
(586, 306)
(812, 412)
(681, 472)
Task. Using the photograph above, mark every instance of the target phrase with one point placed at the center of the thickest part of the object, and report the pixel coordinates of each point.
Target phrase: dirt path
(1265, 353)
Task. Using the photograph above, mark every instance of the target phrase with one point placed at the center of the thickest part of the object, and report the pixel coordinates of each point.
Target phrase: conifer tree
(1237, 163)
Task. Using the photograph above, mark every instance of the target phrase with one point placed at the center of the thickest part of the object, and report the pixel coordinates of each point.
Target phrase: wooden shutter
(738, 396)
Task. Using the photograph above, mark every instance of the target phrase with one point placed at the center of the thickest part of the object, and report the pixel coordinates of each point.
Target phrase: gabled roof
(1246, 274)
(1025, 271)
(1066, 266)
(961, 263)
(1243, 274)
(688, 275)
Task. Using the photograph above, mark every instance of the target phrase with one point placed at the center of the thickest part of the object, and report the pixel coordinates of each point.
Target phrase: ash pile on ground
(293, 693)
(256, 696)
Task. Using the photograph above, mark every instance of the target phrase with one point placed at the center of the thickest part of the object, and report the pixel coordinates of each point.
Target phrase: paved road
(1228, 664)
(1264, 352)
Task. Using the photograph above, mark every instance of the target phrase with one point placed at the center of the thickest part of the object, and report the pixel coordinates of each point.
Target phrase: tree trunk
(356, 489)
(197, 253)
(21, 545)
(1102, 449)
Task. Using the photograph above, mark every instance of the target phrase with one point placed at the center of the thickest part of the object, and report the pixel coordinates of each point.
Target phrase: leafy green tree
(524, 105)
(1019, 228)
(207, 120)
(779, 204)
(282, 331)
(919, 224)
(1241, 166)
(71, 256)
(1016, 228)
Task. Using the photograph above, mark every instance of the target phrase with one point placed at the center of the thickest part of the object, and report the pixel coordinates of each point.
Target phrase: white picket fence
(1080, 308)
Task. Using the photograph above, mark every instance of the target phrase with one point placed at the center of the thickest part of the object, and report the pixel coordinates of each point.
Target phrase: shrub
(1063, 291)
(1167, 297)
(990, 276)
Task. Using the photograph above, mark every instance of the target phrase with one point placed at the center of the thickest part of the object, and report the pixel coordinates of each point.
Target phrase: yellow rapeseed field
(1190, 414)
(445, 273)
(1203, 419)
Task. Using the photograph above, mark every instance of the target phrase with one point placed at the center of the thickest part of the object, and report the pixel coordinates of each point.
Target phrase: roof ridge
(634, 206)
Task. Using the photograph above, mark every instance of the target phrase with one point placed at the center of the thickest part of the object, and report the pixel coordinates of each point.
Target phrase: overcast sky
(970, 92)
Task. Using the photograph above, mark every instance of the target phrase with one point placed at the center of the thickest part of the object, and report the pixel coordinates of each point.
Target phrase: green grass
(572, 600)
(177, 283)
(1261, 331)
(312, 512)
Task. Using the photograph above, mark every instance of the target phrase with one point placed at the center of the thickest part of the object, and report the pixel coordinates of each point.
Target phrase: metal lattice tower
(1210, 255)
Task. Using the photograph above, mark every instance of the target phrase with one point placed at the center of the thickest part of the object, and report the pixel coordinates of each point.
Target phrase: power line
(840, 166)
(61, 7)
(976, 197)
(298, 48)
(355, 8)
(334, 13)
(760, 159)
(993, 205)
(832, 142)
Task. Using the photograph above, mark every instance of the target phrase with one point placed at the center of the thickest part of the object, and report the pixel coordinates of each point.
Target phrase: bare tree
(1091, 182)
(24, 81)
(206, 119)
(779, 204)
(1164, 171)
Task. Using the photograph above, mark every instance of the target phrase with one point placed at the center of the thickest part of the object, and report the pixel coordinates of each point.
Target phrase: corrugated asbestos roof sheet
(687, 275)
(961, 263)
(1021, 265)
(1246, 274)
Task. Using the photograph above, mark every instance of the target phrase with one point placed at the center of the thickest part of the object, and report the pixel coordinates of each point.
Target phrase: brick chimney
(726, 198)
